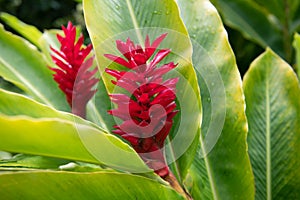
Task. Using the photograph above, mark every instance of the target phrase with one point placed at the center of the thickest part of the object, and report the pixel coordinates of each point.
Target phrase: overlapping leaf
(71, 185)
(221, 169)
(34, 128)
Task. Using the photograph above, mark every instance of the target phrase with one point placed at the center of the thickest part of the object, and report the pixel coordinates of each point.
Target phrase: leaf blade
(23, 65)
(97, 185)
(37, 129)
(216, 171)
(39, 137)
(273, 116)
(31, 33)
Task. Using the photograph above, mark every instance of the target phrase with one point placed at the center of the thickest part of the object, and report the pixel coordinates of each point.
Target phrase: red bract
(148, 113)
(72, 74)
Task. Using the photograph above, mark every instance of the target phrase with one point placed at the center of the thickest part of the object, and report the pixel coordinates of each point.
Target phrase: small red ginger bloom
(148, 113)
(73, 74)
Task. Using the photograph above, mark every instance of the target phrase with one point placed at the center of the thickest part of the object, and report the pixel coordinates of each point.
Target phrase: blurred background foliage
(252, 25)
(42, 14)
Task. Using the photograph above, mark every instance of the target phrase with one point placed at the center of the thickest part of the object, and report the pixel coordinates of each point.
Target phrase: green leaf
(42, 130)
(253, 21)
(221, 169)
(71, 185)
(12, 104)
(273, 111)
(31, 33)
(29, 161)
(23, 65)
(135, 19)
(64, 139)
(296, 45)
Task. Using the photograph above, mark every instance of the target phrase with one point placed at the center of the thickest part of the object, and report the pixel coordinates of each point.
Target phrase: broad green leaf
(23, 65)
(64, 139)
(273, 111)
(221, 169)
(253, 21)
(296, 45)
(12, 104)
(71, 185)
(17, 109)
(46, 124)
(108, 21)
(41, 40)
(29, 32)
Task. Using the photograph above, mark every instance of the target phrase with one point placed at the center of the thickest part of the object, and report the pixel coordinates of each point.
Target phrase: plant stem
(174, 183)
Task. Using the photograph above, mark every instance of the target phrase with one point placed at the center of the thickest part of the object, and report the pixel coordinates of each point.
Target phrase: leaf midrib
(135, 23)
(208, 169)
(268, 142)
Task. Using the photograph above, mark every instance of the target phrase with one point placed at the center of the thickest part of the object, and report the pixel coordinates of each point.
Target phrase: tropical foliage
(167, 115)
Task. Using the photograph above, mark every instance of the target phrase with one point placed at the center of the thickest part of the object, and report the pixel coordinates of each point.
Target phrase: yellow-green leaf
(221, 169)
(273, 111)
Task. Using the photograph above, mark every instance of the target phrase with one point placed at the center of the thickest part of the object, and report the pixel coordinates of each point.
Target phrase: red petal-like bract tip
(73, 74)
(148, 112)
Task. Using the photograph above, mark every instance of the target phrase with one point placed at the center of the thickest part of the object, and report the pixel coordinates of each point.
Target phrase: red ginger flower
(73, 75)
(148, 113)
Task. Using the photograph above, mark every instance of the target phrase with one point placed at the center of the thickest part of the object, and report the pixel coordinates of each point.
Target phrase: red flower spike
(73, 75)
(148, 113)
